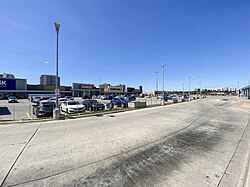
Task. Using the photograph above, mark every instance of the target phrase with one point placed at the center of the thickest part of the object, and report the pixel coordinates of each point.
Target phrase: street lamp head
(191, 77)
(57, 26)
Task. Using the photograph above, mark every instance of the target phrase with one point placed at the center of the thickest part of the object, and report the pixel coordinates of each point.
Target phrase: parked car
(92, 105)
(44, 98)
(12, 99)
(86, 97)
(186, 96)
(69, 97)
(167, 97)
(35, 99)
(43, 108)
(120, 102)
(52, 99)
(131, 98)
(70, 106)
(62, 100)
(106, 97)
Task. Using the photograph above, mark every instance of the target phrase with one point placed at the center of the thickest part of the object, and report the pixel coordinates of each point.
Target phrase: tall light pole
(156, 85)
(163, 67)
(183, 89)
(189, 82)
(57, 111)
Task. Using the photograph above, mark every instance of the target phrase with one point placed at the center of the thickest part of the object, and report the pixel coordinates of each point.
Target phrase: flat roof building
(13, 86)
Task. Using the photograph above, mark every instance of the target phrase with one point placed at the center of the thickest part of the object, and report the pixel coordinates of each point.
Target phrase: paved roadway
(198, 143)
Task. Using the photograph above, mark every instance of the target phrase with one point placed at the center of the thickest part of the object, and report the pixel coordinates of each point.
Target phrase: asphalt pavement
(187, 144)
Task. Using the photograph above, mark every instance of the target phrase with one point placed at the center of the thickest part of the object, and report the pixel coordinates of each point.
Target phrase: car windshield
(73, 103)
(122, 99)
(12, 97)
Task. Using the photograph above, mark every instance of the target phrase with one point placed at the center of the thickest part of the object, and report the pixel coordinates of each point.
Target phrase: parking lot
(16, 111)
(23, 110)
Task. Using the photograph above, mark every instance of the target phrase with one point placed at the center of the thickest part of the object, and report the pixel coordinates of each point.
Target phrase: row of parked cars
(44, 107)
(128, 98)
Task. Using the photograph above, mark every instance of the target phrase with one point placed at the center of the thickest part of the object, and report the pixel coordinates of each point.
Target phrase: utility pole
(57, 110)
(189, 83)
(183, 88)
(163, 67)
(156, 86)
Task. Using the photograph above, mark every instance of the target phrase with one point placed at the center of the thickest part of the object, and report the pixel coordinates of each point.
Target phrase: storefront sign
(114, 89)
(86, 86)
(7, 84)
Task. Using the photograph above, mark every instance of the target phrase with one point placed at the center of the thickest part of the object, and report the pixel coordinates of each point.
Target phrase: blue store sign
(7, 84)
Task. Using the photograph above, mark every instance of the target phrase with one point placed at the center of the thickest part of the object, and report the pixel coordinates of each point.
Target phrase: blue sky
(128, 41)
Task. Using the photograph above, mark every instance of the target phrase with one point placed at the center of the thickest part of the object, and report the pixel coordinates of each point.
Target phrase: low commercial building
(9, 85)
(42, 89)
(83, 89)
(118, 89)
(107, 89)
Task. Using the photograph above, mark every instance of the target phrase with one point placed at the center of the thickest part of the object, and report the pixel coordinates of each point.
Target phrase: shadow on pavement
(4, 111)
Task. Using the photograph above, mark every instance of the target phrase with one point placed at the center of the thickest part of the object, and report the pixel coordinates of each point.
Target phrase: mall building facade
(9, 85)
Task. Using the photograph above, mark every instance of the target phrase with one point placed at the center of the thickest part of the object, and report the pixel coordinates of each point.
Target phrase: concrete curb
(3, 122)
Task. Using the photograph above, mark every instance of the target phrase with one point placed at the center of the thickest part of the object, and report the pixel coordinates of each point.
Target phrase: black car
(43, 108)
(131, 98)
(92, 105)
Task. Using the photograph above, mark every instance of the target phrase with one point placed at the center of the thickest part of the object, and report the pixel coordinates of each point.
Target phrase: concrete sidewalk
(238, 170)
